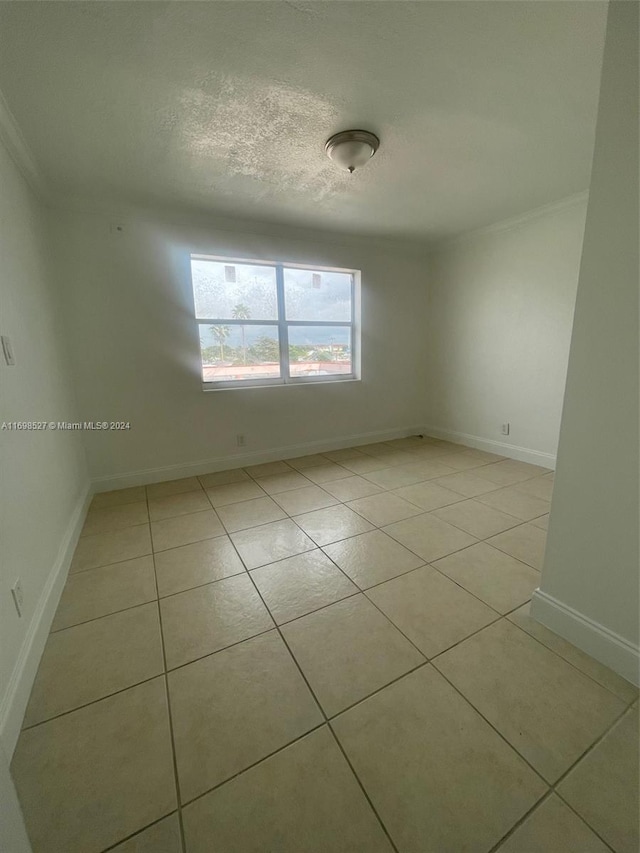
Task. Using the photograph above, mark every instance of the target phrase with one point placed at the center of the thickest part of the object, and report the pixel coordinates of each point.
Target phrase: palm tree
(220, 333)
(241, 312)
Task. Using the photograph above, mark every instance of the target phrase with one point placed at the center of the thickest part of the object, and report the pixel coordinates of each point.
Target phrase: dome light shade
(351, 149)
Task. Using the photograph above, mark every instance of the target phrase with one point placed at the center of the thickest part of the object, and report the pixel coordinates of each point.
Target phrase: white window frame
(282, 324)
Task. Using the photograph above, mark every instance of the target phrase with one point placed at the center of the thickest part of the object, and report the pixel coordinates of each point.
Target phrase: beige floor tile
(348, 650)
(539, 487)
(483, 455)
(429, 537)
(185, 529)
(183, 503)
(173, 487)
(267, 468)
(603, 787)
(344, 453)
(376, 448)
(467, 484)
(223, 478)
(352, 488)
(232, 493)
(102, 549)
(526, 543)
(161, 837)
(461, 461)
(450, 446)
(432, 611)
(395, 458)
(301, 584)
(304, 798)
(115, 518)
(509, 471)
(591, 667)
(428, 496)
(496, 578)
(542, 522)
(203, 620)
(395, 478)
(476, 518)
(372, 558)
(410, 442)
(305, 500)
(98, 592)
(333, 523)
(364, 465)
(511, 500)
(119, 496)
(246, 514)
(231, 709)
(326, 473)
(440, 778)
(310, 461)
(194, 565)
(553, 828)
(427, 452)
(384, 508)
(90, 778)
(92, 660)
(548, 710)
(274, 484)
(270, 542)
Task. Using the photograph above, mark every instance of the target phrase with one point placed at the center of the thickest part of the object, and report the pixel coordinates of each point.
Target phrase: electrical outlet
(240, 441)
(18, 596)
(505, 429)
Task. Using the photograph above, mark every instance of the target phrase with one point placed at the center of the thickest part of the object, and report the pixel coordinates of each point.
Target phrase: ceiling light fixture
(351, 149)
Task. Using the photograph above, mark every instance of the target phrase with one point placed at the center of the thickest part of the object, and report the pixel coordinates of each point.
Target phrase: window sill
(277, 383)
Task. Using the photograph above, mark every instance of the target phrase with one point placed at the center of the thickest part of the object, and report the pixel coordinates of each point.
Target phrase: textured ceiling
(484, 109)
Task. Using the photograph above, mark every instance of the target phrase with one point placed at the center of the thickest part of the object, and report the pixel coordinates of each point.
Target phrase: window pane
(320, 295)
(319, 350)
(239, 352)
(227, 291)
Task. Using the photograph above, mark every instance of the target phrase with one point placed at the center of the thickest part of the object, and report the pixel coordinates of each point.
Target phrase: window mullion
(283, 334)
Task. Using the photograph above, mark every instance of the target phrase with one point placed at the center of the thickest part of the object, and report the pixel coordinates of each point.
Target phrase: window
(264, 323)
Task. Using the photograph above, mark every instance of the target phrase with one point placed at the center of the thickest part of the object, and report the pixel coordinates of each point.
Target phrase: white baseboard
(595, 639)
(241, 460)
(522, 454)
(14, 701)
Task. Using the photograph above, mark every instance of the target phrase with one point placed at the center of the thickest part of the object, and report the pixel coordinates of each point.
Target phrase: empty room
(319, 446)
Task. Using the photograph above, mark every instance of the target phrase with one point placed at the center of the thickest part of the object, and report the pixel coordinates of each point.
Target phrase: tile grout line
(170, 719)
(626, 709)
(112, 847)
(168, 701)
(364, 590)
(254, 764)
(102, 615)
(302, 616)
(550, 785)
(570, 663)
(322, 712)
(553, 788)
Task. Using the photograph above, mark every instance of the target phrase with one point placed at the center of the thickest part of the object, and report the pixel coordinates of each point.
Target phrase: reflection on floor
(330, 654)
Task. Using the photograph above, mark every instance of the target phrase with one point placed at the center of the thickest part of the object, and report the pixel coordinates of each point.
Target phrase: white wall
(43, 473)
(136, 349)
(589, 591)
(499, 324)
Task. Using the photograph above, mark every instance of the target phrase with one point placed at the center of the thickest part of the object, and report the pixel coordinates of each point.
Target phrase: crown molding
(17, 148)
(515, 222)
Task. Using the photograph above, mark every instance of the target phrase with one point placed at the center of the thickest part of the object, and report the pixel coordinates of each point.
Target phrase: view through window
(267, 323)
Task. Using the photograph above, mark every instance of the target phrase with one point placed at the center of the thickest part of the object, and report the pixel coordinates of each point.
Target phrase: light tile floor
(329, 654)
